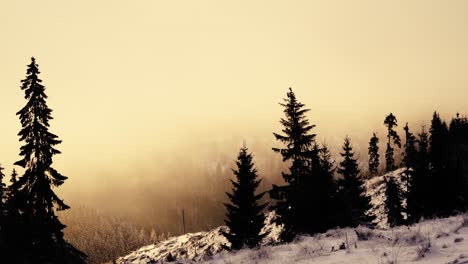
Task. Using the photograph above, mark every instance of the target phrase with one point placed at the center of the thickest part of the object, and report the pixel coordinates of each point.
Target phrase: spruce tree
(393, 202)
(409, 159)
(245, 218)
(14, 235)
(356, 201)
(457, 161)
(390, 122)
(318, 203)
(13, 179)
(419, 199)
(374, 156)
(438, 142)
(12, 191)
(438, 154)
(326, 161)
(43, 240)
(3, 196)
(409, 155)
(295, 201)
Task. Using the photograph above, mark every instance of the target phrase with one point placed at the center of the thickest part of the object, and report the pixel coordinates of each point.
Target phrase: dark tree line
(312, 200)
(434, 174)
(317, 195)
(351, 189)
(245, 218)
(30, 231)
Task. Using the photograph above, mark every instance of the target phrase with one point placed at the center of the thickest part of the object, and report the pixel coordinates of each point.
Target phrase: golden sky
(132, 81)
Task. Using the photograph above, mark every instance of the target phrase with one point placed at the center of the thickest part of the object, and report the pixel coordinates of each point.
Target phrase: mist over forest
(130, 131)
(150, 198)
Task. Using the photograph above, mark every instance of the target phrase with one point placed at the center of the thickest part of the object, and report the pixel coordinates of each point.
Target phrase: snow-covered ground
(375, 188)
(195, 246)
(436, 241)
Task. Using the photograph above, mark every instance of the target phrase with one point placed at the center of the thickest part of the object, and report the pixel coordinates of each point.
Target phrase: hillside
(375, 188)
(431, 241)
(194, 246)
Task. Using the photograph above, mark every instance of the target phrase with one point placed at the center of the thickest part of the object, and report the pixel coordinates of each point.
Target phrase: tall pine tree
(318, 201)
(14, 234)
(2, 211)
(3, 196)
(458, 161)
(393, 202)
(390, 122)
(374, 156)
(327, 163)
(438, 142)
(419, 199)
(409, 159)
(245, 218)
(43, 240)
(438, 154)
(11, 207)
(356, 202)
(302, 204)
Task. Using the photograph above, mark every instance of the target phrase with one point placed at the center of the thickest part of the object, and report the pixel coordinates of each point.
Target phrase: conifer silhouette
(374, 156)
(298, 142)
(13, 179)
(393, 202)
(438, 154)
(409, 160)
(3, 195)
(245, 217)
(390, 122)
(304, 203)
(318, 201)
(12, 192)
(438, 141)
(419, 198)
(326, 161)
(43, 240)
(356, 202)
(457, 162)
(3, 214)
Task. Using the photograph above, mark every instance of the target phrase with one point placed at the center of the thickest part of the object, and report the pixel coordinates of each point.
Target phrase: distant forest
(316, 192)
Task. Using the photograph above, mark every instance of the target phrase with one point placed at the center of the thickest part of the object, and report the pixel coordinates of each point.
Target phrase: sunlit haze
(144, 90)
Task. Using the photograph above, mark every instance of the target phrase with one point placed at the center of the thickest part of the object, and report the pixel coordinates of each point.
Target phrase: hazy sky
(132, 81)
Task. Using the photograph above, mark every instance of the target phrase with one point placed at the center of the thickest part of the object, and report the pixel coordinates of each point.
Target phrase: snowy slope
(435, 241)
(384, 246)
(194, 246)
(375, 188)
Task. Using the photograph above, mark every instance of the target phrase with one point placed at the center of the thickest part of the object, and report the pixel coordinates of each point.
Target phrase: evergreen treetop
(409, 160)
(409, 157)
(2, 192)
(348, 167)
(245, 218)
(326, 161)
(390, 122)
(298, 143)
(374, 156)
(356, 202)
(297, 137)
(35, 199)
(438, 141)
(393, 202)
(304, 204)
